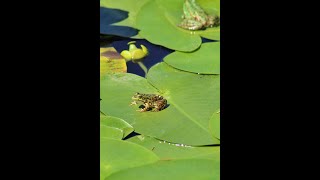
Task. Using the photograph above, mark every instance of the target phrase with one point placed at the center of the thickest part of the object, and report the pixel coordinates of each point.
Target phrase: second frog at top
(195, 18)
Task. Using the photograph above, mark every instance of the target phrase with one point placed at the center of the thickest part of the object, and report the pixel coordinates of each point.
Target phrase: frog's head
(137, 96)
(213, 21)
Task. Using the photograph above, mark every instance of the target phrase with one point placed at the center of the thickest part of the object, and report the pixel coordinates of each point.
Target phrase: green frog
(151, 102)
(195, 18)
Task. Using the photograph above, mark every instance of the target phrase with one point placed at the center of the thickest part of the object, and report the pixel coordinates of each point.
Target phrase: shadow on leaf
(109, 16)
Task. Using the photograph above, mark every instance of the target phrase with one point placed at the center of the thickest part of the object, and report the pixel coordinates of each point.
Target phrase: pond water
(156, 53)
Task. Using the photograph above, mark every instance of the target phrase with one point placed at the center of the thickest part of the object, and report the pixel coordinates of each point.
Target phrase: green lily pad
(109, 16)
(214, 124)
(116, 155)
(161, 27)
(118, 123)
(110, 132)
(189, 169)
(211, 33)
(148, 16)
(192, 99)
(205, 60)
(101, 114)
(131, 6)
(171, 151)
(211, 7)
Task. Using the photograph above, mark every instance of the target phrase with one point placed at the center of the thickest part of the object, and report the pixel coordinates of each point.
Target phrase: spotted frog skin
(195, 18)
(151, 102)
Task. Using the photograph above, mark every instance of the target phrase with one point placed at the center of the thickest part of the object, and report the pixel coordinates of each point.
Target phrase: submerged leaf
(111, 61)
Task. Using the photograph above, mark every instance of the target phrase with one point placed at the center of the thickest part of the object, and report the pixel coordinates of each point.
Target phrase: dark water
(156, 53)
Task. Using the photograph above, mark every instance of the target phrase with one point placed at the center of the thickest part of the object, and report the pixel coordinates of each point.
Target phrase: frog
(151, 102)
(195, 18)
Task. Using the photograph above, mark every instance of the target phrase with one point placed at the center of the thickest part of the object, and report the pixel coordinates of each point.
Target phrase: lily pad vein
(188, 116)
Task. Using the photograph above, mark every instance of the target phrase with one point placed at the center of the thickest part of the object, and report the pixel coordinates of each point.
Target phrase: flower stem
(143, 67)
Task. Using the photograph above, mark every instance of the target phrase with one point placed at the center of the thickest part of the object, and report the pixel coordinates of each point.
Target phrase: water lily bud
(134, 53)
(144, 49)
(138, 54)
(132, 46)
(127, 55)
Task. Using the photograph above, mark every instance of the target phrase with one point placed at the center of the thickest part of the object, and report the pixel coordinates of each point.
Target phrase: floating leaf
(117, 155)
(161, 28)
(214, 124)
(205, 60)
(110, 132)
(111, 61)
(192, 99)
(118, 123)
(109, 16)
(211, 33)
(101, 114)
(166, 150)
(130, 6)
(188, 169)
(165, 14)
(211, 7)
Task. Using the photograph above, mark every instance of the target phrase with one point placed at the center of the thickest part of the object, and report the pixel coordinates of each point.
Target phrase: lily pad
(189, 169)
(101, 114)
(211, 7)
(192, 99)
(161, 28)
(157, 28)
(210, 33)
(109, 16)
(214, 124)
(205, 60)
(118, 123)
(170, 151)
(111, 61)
(130, 6)
(116, 155)
(110, 132)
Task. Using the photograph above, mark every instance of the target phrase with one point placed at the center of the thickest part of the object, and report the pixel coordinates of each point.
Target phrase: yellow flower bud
(144, 49)
(134, 53)
(127, 55)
